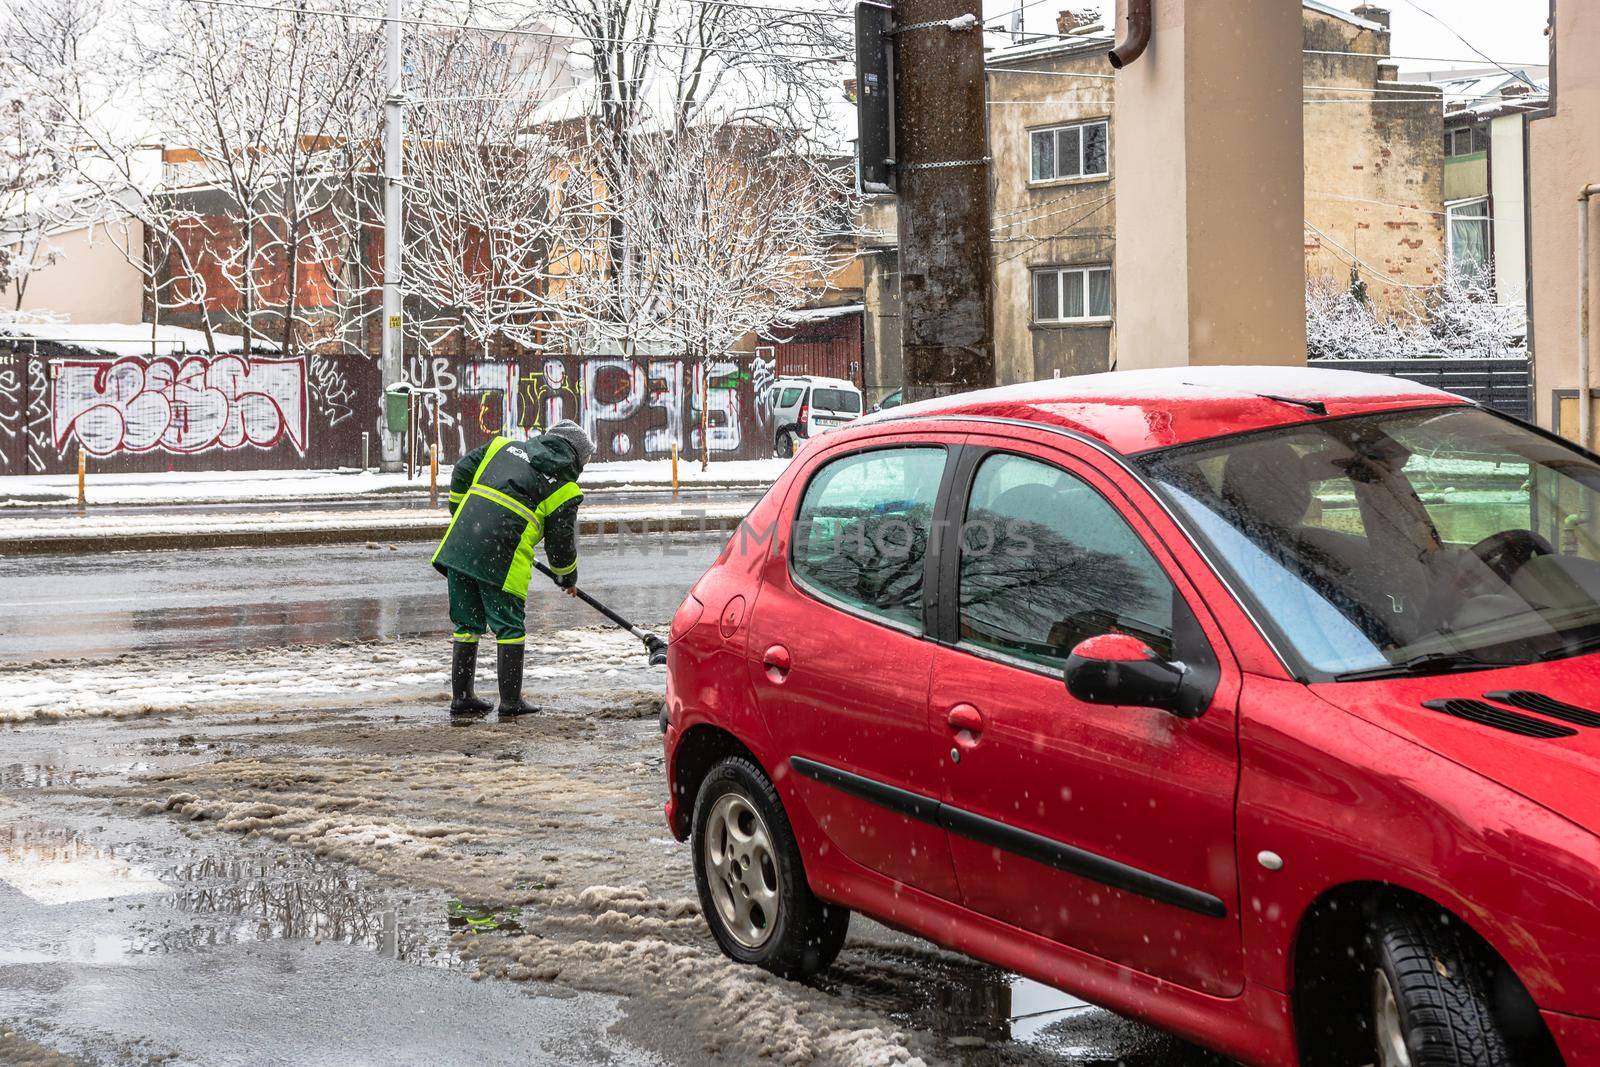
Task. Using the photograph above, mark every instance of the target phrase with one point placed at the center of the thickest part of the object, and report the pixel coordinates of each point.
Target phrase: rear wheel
(785, 443)
(751, 879)
(1431, 997)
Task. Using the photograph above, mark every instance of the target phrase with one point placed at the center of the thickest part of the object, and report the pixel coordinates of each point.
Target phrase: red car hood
(1562, 774)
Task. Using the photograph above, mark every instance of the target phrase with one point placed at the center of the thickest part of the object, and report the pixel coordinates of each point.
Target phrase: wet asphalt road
(209, 949)
(119, 602)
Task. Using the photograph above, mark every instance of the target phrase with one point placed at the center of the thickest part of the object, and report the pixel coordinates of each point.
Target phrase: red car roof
(1137, 410)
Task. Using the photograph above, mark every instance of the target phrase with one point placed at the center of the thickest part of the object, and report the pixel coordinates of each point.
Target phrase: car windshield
(836, 400)
(1404, 542)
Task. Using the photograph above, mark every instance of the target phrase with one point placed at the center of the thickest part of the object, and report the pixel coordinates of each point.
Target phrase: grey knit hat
(573, 434)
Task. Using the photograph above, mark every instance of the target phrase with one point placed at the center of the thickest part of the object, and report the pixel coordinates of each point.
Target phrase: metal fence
(1505, 385)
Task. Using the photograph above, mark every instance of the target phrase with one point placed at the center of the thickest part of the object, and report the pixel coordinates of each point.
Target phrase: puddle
(54, 866)
(38, 776)
(290, 895)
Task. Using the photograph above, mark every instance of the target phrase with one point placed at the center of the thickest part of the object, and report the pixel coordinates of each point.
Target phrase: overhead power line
(1457, 34)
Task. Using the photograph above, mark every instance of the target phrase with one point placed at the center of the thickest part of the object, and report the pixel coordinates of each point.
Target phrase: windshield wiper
(1574, 648)
(1427, 663)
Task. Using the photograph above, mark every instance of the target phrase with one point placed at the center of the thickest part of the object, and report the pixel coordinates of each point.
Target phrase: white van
(808, 406)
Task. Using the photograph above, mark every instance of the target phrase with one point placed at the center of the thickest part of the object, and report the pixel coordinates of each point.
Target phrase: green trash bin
(397, 408)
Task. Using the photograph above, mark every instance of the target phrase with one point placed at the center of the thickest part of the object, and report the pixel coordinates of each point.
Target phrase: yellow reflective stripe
(559, 497)
(456, 498)
(509, 503)
(467, 639)
(509, 640)
(564, 571)
(494, 446)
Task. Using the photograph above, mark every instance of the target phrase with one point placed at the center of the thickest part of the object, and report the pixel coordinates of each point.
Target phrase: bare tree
(660, 65)
(484, 187)
(264, 104)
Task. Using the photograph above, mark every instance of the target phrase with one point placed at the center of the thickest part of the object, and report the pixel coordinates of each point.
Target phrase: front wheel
(1431, 998)
(751, 879)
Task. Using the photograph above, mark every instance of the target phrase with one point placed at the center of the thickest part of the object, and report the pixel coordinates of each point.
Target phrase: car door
(1109, 829)
(839, 659)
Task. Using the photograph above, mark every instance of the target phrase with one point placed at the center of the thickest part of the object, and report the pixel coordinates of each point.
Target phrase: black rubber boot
(463, 705)
(509, 667)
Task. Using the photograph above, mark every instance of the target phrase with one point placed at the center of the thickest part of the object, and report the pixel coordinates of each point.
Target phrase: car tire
(785, 444)
(1431, 1001)
(751, 880)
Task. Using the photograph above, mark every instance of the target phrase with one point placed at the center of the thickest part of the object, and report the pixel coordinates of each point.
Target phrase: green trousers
(475, 607)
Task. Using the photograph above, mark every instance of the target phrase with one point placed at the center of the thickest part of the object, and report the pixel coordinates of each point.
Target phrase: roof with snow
(127, 339)
(1344, 16)
(1139, 410)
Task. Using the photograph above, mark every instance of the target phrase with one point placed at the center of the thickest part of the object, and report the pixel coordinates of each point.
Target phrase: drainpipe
(1138, 39)
(1585, 412)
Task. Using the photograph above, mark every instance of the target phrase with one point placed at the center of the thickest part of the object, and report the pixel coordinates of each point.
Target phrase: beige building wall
(1374, 165)
(1564, 156)
(91, 279)
(1063, 222)
(1210, 194)
(1506, 180)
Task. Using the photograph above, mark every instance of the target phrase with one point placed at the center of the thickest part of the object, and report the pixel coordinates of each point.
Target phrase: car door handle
(777, 663)
(965, 718)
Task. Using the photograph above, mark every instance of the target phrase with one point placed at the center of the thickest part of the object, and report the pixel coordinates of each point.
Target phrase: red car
(1262, 705)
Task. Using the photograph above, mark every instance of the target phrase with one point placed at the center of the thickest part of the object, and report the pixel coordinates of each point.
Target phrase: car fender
(1328, 799)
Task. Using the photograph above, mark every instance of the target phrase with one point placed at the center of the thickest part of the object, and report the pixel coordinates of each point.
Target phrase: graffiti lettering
(11, 427)
(135, 404)
(332, 391)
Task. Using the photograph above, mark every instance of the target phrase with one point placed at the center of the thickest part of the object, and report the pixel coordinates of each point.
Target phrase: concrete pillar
(1210, 266)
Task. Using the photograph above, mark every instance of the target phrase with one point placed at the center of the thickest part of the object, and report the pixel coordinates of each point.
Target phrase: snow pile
(194, 487)
(130, 339)
(362, 674)
(778, 1020)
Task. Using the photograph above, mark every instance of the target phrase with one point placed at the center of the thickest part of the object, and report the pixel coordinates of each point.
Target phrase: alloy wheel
(1386, 1025)
(742, 870)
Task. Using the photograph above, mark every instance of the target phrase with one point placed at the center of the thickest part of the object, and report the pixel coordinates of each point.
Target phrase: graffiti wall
(244, 412)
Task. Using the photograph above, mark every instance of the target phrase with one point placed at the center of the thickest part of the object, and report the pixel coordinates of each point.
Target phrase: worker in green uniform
(505, 498)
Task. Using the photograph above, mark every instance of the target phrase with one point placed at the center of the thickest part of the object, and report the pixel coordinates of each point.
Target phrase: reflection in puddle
(993, 1006)
(290, 896)
(55, 866)
(482, 920)
(35, 776)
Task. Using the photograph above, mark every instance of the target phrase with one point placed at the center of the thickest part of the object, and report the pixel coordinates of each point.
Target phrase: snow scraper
(653, 644)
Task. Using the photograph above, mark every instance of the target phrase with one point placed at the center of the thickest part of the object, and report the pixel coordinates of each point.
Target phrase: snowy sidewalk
(116, 531)
(283, 486)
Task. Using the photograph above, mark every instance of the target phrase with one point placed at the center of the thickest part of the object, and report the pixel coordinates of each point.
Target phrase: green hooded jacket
(505, 498)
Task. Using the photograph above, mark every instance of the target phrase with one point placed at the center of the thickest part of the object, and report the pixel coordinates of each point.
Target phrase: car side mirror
(1120, 669)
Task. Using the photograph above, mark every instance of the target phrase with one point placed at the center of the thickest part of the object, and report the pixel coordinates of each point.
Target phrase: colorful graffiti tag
(183, 406)
(240, 412)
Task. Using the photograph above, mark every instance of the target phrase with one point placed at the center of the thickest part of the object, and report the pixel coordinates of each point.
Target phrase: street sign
(875, 97)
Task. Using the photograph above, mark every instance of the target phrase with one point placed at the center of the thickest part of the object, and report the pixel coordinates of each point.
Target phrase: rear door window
(836, 400)
(789, 397)
(861, 532)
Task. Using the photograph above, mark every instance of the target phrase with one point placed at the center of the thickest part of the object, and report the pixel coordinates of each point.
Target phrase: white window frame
(1079, 276)
(1055, 132)
(1454, 212)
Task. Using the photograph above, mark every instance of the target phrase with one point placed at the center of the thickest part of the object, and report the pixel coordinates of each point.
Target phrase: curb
(79, 545)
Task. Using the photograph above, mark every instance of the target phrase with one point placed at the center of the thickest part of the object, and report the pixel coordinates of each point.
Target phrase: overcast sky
(1511, 31)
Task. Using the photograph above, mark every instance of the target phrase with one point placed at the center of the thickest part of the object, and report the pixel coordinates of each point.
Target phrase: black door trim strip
(1024, 843)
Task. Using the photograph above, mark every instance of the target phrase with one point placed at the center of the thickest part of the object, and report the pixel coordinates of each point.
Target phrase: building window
(1468, 240)
(1466, 140)
(1076, 151)
(1072, 294)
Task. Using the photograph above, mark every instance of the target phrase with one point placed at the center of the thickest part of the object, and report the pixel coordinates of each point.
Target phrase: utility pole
(394, 133)
(941, 175)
